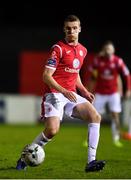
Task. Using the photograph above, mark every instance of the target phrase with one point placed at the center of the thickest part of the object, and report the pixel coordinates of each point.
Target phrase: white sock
(41, 139)
(115, 131)
(93, 139)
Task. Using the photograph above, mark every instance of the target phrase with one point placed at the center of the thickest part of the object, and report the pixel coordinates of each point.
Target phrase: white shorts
(113, 101)
(56, 104)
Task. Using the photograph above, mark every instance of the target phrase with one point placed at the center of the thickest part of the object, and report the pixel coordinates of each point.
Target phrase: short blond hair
(71, 18)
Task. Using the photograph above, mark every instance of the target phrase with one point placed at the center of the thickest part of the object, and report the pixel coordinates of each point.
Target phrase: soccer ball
(33, 154)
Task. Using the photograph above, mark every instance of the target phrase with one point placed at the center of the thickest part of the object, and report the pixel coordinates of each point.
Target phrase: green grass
(65, 155)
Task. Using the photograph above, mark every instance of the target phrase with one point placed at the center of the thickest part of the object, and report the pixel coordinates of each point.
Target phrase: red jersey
(66, 60)
(107, 73)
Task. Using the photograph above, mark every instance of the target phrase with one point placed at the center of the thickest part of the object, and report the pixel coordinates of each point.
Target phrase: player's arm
(84, 92)
(128, 86)
(49, 80)
(120, 86)
(126, 74)
(92, 70)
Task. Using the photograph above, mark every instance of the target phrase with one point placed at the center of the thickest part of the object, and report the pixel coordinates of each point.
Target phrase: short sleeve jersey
(66, 60)
(107, 73)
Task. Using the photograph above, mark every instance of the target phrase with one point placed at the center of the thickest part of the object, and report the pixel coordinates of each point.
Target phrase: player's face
(109, 50)
(72, 30)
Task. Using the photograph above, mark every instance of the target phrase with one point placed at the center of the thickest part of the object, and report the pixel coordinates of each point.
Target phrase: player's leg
(127, 135)
(52, 112)
(115, 108)
(99, 104)
(127, 117)
(115, 127)
(87, 112)
(52, 125)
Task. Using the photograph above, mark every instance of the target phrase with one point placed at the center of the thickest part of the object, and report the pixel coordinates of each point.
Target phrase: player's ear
(80, 29)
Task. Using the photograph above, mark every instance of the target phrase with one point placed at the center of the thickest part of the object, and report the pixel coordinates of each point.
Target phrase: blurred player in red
(107, 68)
(127, 116)
(61, 76)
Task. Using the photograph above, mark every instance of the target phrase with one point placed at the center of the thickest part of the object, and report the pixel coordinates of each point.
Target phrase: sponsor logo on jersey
(76, 63)
(70, 70)
(107, 74)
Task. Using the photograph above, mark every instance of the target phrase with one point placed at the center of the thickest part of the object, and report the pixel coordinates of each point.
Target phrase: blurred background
(29, 29)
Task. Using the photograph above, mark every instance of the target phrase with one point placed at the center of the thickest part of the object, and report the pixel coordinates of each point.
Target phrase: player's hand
(89, 96)
(69, 95)
(127, 94)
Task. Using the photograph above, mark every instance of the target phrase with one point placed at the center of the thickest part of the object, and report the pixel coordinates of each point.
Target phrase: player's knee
(96, 118)
(53, 131)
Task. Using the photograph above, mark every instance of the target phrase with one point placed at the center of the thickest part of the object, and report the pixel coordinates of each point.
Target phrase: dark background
(36, 26)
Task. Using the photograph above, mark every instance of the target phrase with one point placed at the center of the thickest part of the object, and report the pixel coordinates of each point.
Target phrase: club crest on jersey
(51, 62)
(76, 63)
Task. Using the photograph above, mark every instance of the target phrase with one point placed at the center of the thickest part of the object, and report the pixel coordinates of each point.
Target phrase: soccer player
(108, 67)
(62, 79)
(127, 117)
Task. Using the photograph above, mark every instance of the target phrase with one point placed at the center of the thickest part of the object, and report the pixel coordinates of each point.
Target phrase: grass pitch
(65, 155)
